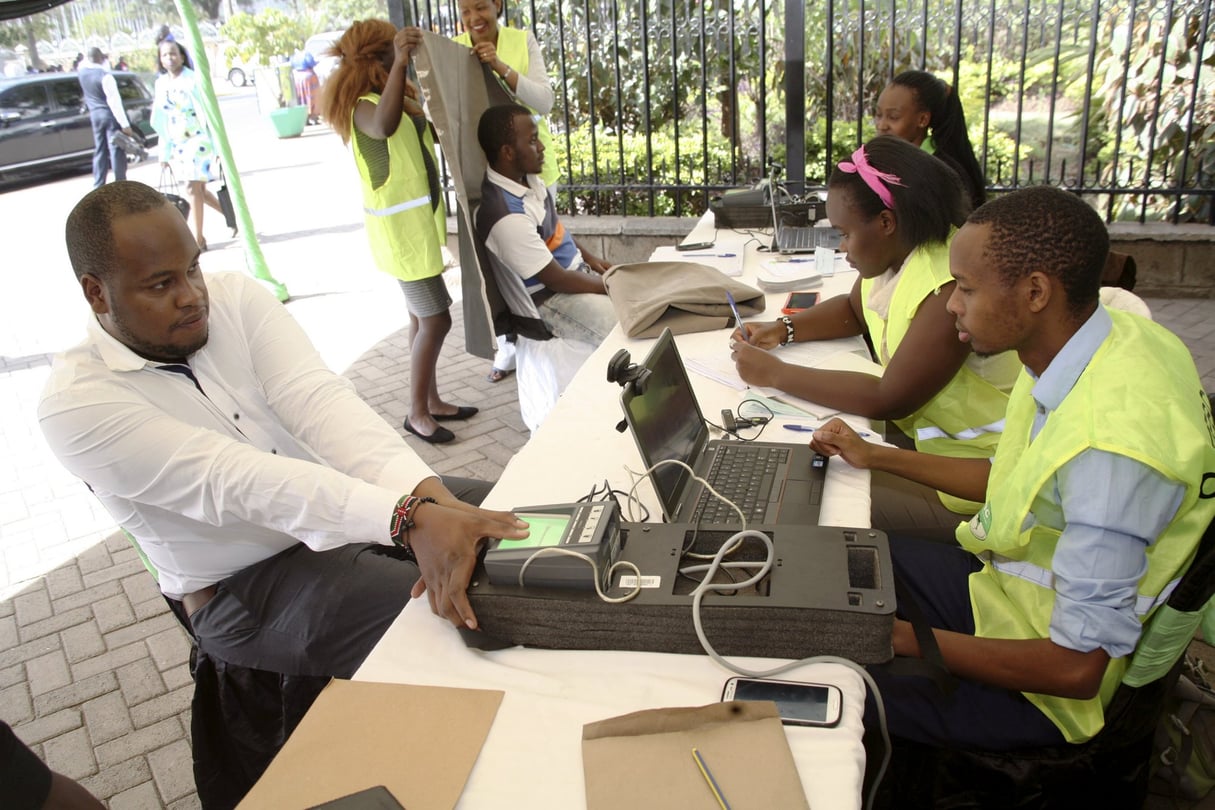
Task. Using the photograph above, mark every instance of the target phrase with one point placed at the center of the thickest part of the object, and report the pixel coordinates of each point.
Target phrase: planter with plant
(265, 39)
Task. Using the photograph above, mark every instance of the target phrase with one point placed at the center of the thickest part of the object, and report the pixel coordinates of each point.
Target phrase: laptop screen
(666, 421)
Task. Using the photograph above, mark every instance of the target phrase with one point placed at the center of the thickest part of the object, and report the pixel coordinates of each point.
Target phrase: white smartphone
(799, 703)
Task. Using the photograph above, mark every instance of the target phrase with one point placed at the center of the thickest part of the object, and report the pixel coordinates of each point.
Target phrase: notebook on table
(800, 238)
(772, 482)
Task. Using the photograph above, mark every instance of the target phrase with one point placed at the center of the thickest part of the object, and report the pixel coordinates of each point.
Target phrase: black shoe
(441, 435)
(462, 412)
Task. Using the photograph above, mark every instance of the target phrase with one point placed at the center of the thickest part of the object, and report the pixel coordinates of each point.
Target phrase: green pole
(255, 261)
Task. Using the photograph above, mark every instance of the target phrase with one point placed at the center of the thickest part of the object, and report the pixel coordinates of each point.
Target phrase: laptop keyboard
(797, 238)
(745, 475)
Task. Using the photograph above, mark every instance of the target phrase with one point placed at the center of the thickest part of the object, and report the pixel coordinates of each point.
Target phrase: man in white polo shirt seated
(518, 224)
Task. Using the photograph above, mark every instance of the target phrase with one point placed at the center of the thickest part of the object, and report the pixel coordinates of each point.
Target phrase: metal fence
(662, 103)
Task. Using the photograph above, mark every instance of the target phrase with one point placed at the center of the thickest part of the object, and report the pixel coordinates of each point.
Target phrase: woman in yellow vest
(897, 208)
(516, 57)
(369, 102)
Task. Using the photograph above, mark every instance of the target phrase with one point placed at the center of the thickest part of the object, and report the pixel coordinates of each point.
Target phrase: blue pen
(808, 429)
(737, 317)
(710, 255)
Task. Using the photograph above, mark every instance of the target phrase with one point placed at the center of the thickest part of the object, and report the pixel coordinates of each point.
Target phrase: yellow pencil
(704, 771)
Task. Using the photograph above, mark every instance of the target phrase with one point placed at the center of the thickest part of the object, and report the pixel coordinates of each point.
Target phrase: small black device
(797, 301)
(799, 703)
(694, 246)
(727, 420)
(373, 798)
(592, 529)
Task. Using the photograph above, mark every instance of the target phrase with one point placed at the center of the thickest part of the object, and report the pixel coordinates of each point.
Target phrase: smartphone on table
(797, 301)
(694, 246)
(799, 703)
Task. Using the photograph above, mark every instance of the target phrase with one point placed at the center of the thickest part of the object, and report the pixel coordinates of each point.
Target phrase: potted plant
(264, 39)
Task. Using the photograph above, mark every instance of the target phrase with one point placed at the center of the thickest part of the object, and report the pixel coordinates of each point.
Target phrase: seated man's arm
(1097, 565)
(515, 242)
(962, 477)
(558, 279)
(319, 407)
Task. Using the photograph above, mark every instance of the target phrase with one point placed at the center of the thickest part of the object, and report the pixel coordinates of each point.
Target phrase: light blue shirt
(1110, 508)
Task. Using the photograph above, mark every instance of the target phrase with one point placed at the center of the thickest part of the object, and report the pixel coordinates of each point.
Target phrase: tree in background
(265, 38)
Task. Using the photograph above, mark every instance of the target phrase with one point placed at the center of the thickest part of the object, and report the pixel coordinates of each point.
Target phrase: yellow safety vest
(966, 417)
(1139, 397)
(512, 49)
(405, 233)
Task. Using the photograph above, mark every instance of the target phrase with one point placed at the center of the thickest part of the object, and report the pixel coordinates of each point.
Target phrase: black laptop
(772, 482)
(799, 238)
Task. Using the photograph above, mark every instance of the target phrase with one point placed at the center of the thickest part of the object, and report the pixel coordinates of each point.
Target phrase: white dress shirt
(278, 450)
(109, 86)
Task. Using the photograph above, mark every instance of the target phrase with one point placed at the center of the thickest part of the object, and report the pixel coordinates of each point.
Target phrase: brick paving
(93, 671)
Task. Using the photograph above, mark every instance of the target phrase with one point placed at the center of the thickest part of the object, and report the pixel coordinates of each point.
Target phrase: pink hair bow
(878, 181)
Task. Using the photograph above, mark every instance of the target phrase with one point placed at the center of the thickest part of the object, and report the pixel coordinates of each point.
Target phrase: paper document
(825, 262)
(645, 759)
(728, 260)
(420, 742)
(717, 365)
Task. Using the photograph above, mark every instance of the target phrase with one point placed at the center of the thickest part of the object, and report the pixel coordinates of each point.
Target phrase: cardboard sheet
(645, 760)
(418, 741)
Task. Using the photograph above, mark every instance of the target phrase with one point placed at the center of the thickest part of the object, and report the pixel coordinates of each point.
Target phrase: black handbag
(225, 204)
(167, 182)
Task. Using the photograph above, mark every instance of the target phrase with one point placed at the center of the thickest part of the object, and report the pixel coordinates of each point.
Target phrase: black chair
(1109, 771)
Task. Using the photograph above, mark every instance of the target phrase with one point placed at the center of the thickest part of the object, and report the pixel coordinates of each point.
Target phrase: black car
(45, 127)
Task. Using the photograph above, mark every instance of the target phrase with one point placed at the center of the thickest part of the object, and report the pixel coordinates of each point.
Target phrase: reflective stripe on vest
(1021, 569)
(398, 208)
(926, 433)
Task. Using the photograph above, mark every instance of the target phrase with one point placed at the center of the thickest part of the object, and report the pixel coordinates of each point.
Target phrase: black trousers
(273, 636)
(974, 715)
(313, 613)
(106, 154)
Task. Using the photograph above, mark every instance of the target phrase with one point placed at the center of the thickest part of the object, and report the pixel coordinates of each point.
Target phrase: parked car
(318, 45)
(241, 73)
(45, 126)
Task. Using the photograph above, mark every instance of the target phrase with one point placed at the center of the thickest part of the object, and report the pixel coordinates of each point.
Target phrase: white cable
(707, 585)
(637, 478)
(594, 571)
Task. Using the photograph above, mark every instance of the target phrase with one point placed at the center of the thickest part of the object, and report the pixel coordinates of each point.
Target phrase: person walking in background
(373, 107)
(307, 85)
(515, 56)
(107, 115)
(185, 143)
(918, 107)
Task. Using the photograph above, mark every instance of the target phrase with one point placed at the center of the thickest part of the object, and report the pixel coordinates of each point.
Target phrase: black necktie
(185, 371)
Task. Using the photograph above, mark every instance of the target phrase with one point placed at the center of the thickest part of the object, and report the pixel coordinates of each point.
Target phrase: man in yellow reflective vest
(1099, 492)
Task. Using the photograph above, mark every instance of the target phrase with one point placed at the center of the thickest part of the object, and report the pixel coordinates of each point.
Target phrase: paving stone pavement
(93, 671)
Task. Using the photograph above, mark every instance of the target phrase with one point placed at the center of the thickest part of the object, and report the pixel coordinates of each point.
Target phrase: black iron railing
(662, 103)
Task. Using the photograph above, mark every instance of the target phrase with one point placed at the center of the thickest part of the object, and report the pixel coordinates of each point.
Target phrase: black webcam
(620, 370)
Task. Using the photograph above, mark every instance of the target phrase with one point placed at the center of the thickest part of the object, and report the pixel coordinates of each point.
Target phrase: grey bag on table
(682, 296)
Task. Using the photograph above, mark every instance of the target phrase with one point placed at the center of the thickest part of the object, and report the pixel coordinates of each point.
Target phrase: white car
(318, 45)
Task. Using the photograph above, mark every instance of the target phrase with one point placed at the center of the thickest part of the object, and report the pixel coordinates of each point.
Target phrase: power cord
(717, 562)
(707, 585)
(551, 550)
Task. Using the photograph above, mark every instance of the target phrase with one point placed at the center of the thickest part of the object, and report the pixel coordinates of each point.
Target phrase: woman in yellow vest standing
(516, 57)
(369, 102)
(897, 208)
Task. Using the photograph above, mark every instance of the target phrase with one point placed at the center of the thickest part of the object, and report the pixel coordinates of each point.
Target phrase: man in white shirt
(281, 511)
(107, 114)
(519, 225)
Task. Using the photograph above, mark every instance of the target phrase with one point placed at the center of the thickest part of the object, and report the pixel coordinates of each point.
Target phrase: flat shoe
(441, 435)
(462, 412)
(498, 375)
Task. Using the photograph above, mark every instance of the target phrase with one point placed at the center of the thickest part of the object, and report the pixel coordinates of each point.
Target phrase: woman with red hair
(371, 104)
